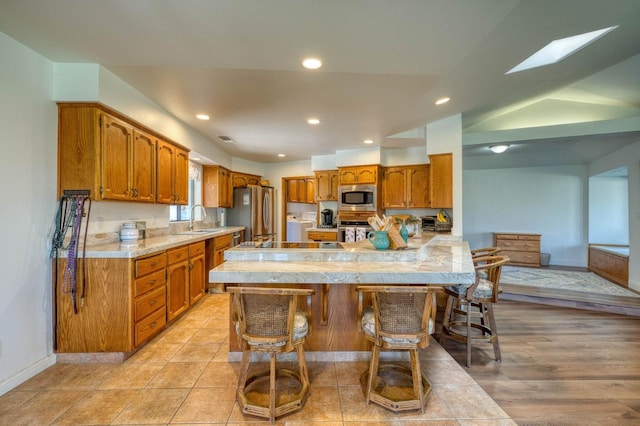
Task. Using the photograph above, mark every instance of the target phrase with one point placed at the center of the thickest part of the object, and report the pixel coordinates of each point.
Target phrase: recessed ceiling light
(442, 101)
(559, 49)
(368, 141)
(281, 155)
(202, 117)
(313, 121)
(312, 63)
(499, 149)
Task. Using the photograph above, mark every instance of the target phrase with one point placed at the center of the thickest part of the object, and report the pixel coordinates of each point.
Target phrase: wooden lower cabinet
(127, 301)
(177, 282)
(522, 249)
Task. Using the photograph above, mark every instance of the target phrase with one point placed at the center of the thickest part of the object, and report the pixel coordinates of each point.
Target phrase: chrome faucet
(204, 214)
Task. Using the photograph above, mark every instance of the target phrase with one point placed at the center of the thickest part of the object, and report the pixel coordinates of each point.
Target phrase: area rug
(562, 280)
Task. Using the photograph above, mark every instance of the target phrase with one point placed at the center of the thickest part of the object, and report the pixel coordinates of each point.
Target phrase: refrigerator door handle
(266, 212)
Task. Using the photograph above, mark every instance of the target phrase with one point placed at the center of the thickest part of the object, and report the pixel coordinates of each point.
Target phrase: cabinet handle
(154, 263)
(152, 282)
(153, 324)
(153, 302)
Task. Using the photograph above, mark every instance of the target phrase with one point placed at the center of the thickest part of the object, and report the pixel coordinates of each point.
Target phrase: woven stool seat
(401, 318)
(267, 320)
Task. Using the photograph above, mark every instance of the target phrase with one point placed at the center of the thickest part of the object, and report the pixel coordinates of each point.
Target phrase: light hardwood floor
(561, 366)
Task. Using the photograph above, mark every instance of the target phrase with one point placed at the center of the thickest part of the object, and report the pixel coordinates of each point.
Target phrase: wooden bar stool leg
(445, 320)
(272, 389)
(373, 370)
(244, 369)
(494, 332)
(417, 377)
(468, 334)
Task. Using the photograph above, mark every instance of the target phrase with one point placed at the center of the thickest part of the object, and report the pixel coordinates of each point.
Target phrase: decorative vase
(404, 232)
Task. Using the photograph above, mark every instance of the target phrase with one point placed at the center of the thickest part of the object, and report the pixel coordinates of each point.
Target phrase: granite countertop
(150, 245)
(434, 259)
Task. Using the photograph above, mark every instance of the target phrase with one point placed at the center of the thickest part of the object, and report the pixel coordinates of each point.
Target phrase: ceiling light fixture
(312, 63)
(368, 141)
(281, 155)
(442, 101)
(313, 121)
(226, 139)
(202, 117)
(499, 149)
(559, 49)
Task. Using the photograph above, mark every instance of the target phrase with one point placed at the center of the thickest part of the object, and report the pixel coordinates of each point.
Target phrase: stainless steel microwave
(357, 198)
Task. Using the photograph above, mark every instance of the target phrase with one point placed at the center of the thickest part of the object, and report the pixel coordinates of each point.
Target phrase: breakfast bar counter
(434, 259)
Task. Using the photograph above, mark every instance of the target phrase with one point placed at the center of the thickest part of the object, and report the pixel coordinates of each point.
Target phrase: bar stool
(400, 319)
(267, 320)
(458, 317)
(485, 251)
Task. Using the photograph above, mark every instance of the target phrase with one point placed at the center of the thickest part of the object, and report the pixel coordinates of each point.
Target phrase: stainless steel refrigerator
(254, 208)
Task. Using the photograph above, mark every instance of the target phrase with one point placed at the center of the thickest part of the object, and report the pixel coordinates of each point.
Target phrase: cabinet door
(441, 181)
(348, 176)
(196, 278)
(327, 185)
(165, 154)
(293, 195)
(181, 178)
(226, 188)
(177, 289)
(418, 190)
(143, 184)
(116, 158)
(367, 175)
(394, 188)
(310, 190)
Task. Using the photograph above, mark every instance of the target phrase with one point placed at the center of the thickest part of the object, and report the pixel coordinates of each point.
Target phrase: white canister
(128, 232)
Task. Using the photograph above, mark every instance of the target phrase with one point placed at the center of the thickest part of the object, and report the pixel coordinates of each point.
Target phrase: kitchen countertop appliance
(254, 208)
(326, 218)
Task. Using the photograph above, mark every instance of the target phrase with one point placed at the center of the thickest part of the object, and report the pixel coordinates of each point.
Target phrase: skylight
(557, 50)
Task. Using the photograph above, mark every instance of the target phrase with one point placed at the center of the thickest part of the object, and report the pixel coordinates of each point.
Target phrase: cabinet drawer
(150, 264)
(523, 257)
(196, 249)
(150, 302)
(323, 236)
(177, 254)
(518, 245)
(149, 282)
(222, 242)
(150, 326)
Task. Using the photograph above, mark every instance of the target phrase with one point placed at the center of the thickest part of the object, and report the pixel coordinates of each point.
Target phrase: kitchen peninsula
(333, 273)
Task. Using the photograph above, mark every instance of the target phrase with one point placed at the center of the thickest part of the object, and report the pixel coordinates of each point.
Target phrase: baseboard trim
(23, 375)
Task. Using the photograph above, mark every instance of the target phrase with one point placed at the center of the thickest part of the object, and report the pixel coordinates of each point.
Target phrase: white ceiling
(385, 63)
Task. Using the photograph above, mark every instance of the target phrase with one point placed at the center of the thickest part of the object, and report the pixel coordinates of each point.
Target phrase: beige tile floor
(183, 377)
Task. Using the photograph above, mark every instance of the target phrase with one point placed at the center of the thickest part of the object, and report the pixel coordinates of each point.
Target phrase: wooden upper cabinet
(405, 187)
(300, 189)
(116, 158)
(441, 181)
(394, 188)
(216, 187)
(242, 180)
(172, 182)
(143, 173)
(116, 138)
(418, 186)
(358, 175)
(327, 185)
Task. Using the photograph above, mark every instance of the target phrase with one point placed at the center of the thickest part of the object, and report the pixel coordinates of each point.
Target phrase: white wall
(28, 119)
(608, 210)
(551, 201)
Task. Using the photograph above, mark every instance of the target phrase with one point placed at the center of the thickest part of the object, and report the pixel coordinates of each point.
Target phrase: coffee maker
(326, 218)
